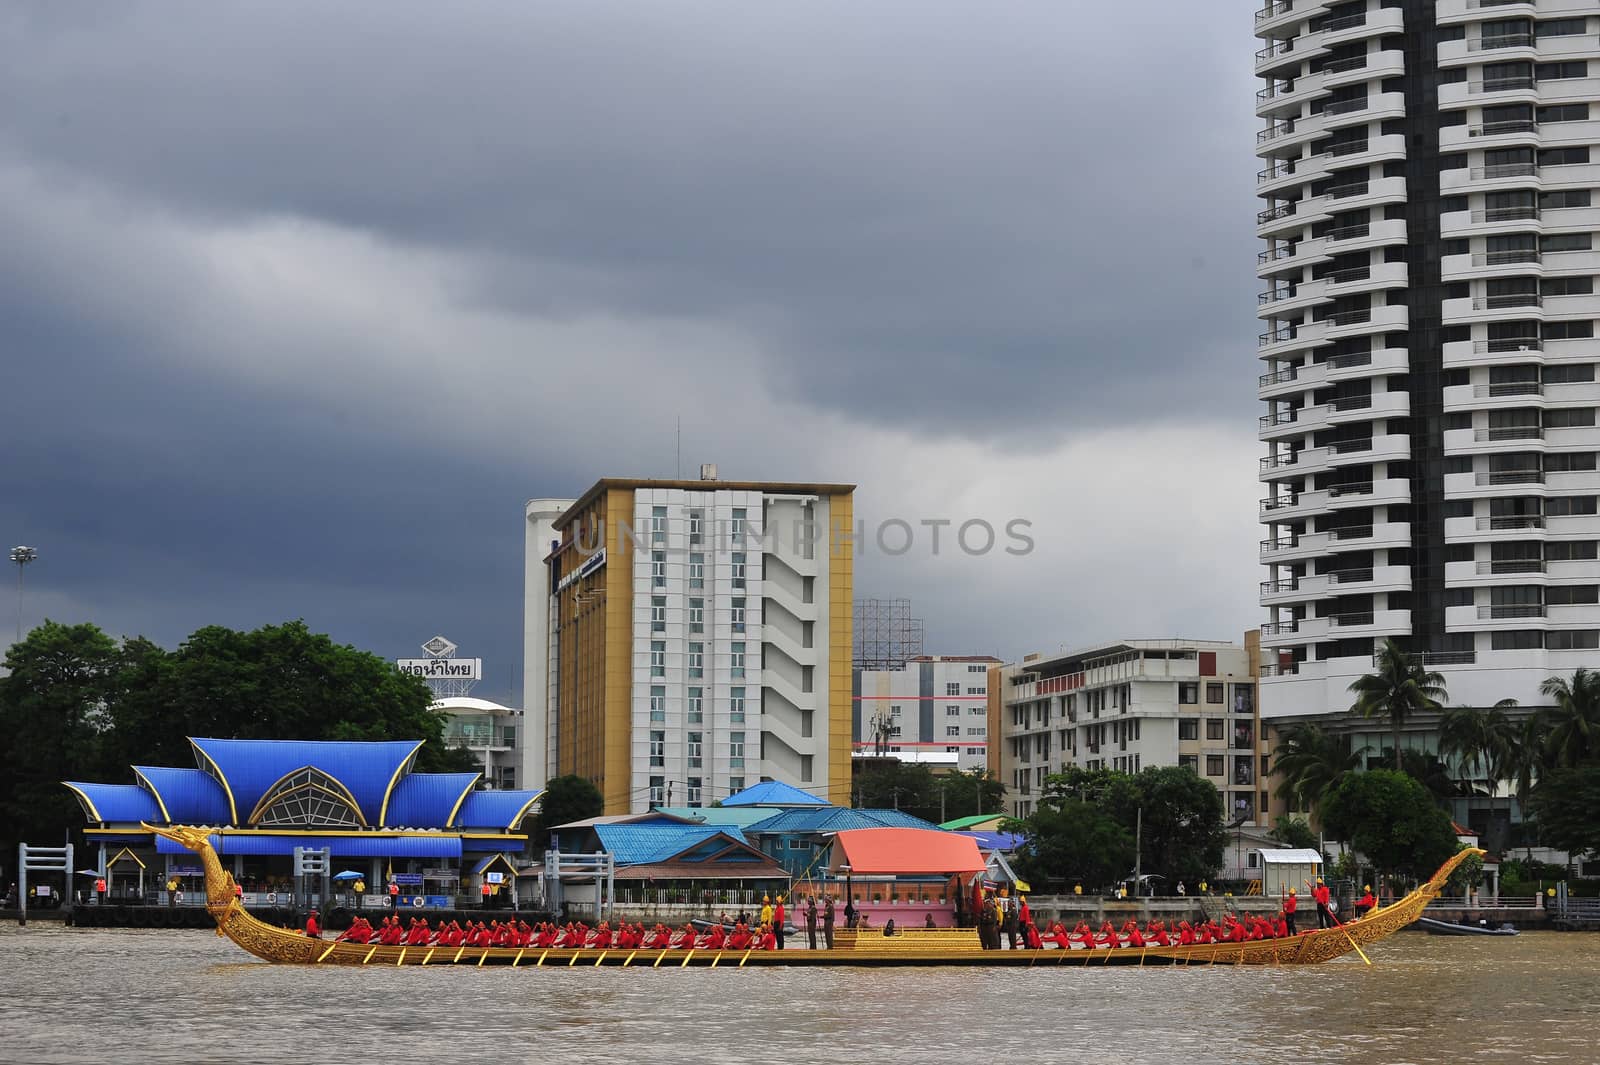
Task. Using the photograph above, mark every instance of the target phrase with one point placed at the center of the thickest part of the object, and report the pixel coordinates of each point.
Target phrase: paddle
(1340, 926)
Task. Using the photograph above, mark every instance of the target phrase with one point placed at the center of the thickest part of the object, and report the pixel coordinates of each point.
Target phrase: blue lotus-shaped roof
(429, 800)
(248, 769)
(116, 803)
(186, 796)
(499, 810)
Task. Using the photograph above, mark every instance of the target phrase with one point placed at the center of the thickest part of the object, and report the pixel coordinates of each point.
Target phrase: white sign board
(442, 668)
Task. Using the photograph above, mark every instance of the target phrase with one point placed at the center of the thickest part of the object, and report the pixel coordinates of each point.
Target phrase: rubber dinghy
(912, 947)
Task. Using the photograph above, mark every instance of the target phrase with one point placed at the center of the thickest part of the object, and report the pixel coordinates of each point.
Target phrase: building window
(736, 615)
(658, 749)
(696, 750)
(697, 615)
(1190, 762)
(658, 703)
(736, 659)
(697, 570)
(953, 750)
(894, 730)
(894, 709)
(1189, 730)
(736, 750)
(952, 688)
(697, 521)
(738, 569)
(1214, 728)
(982, 731)
(658, 790)
(1189, 693)
(697, 660)
(736, 526)
(979, 710)
(658, 525)
(952, 730)
(658, 569)
(735, 785)
(1244, 699)
(977, 691)
(736, 705)
(1213, 765)
(975, 750)
(977, 669)
(658, 613)
(694, 791)
(952, 711)
(696, 705)
(658, 658)
(1213, 693)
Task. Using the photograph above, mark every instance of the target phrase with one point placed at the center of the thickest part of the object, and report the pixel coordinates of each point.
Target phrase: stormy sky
(300, 302)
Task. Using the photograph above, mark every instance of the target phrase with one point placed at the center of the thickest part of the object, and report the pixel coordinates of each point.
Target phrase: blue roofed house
(360, 800)
(797, 837)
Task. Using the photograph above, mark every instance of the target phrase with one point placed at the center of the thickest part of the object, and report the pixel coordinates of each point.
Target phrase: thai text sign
(442, 668)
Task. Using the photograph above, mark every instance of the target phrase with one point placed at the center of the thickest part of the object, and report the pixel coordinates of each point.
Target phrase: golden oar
(426, 958)
(370, 953)
(328, 951)
(1340, 926)
(401, 959)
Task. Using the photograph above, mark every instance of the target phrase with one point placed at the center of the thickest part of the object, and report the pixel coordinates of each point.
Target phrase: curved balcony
(1291, 258)
(1281, 99)
(1287, 340)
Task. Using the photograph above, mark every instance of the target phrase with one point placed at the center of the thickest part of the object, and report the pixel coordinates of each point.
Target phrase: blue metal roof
(997, 841)
(361, 846)
(834, 819)
(427, 800)
(643, 844)
(190, 796)
(773, 793)
(116, 803)
(495, 809)
(251, 767)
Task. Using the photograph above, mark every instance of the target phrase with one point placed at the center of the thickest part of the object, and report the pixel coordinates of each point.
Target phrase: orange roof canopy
(908, 851)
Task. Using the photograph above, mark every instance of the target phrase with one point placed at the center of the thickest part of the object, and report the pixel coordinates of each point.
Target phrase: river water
(135, 996)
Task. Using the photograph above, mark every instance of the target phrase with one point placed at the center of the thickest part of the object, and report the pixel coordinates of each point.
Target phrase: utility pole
(1138, 848)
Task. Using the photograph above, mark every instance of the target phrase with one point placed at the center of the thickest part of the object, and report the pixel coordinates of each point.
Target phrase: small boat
(911, 947)
(1450, 928)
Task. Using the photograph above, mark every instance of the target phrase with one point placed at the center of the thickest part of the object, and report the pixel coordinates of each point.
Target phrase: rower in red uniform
(1365, 903)
(715, 938)
(1108, 936)
(1322, 895)
(686, 937)
(769, 939)
(1084, 934)
(313, 928)
(1058, 932)
(1281, 927)
(1158, 935)
(1131, 934)
(1186, 937)
(1290, 902)
(740, 938)
(1030, 936)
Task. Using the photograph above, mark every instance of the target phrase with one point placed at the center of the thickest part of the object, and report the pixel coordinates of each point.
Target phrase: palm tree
(1524, 760)
(1478, 739)
(1574, 723)
(1312, 762)
(1399, 688)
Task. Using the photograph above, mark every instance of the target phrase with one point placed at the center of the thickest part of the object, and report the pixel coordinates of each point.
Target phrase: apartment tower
(1428, 357)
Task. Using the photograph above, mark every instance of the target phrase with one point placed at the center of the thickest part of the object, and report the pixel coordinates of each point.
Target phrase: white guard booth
(1283, 868)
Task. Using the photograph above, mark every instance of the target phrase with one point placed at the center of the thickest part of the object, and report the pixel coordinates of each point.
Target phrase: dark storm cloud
(889, 195)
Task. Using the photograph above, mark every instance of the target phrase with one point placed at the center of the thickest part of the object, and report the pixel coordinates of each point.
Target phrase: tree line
(80, 705)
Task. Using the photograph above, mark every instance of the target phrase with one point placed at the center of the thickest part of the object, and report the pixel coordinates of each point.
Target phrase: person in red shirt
(769, 940)
(740, 938)
(1058, 932)
(1290, 902)
(1108, 936)
(777, 921)
(1158, 935)
(1365, 903)
(1281, 928)
(1030, 936)
(1321, 894)
(1185, 935)
(686, 937)
(715, 938)
(1131, 934)
(313, 927)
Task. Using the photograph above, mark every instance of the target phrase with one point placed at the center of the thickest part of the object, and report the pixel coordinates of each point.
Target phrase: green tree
(1073, 842)
(1294, 832)
(1469, 874)
(1574, 721)
(53, 716)
(1564, 802)
(1392, 819)
(1427, 770)
(1182, 837)
(969, 791)
(566, 798)
(1311, 762)
(1399, 689)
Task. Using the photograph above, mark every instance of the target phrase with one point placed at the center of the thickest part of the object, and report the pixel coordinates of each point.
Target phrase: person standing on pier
(827, 922)
(778, 921)
(1322, 895)
(1290, 901)
(811, 921)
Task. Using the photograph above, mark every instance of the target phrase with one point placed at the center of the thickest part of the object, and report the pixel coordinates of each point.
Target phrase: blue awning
(374, 846)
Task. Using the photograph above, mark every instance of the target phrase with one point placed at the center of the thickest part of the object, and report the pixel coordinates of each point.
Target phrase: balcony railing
(1503, 170)
(1509, 125)
(1284, 543)
(1279, 503)
(1508, 299)
(1512, 565)
(1508, 388)
(1274, 131)
(1340, 107)
(1509, 432)
(1273, 295)
(1344, 277)
(1354, 488)
(1519, 610)
(1500, 40)
(1351, 532)
(1282, 7)
(1280, 417)
(1276, 336)
(1505, 258)
(1272, 255)
(1350, 576)
(1276, 48)
(1350, 446)
(1511, 477)
(1343, 403)
(1506, 214)
(1349, 317)
(1283, 210)
(1279, 669)
(1273, 462)
(1354, 358)
(1358, 617)
(1501, 344)
(1473, 5)
(1506, 522)
(1292, 584)
(1280, 628)
(1334, 25)
(1334, 151)
(1279, 377)
(1338, 66)
(1439, 658)
(1354, 232)
(1519, 81)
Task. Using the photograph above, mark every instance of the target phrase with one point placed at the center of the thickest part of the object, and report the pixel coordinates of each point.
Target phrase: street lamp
(21, 555)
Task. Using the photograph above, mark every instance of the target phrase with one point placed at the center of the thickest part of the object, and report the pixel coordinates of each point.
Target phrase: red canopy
(909, 851)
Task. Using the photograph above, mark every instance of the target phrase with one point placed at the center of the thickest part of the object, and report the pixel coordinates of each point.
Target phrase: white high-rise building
(933, 710)
(1429, 213)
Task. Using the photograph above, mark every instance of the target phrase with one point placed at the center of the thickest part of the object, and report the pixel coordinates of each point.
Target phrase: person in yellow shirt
(766, 910)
